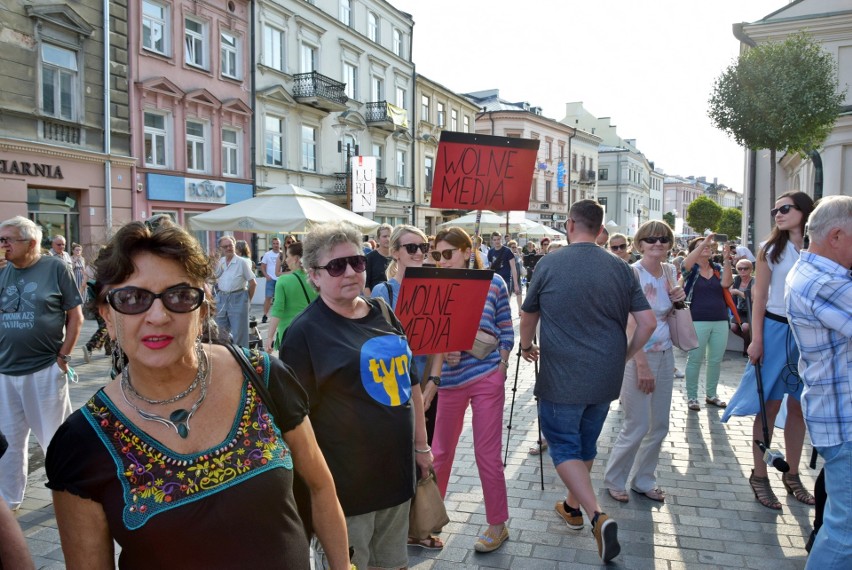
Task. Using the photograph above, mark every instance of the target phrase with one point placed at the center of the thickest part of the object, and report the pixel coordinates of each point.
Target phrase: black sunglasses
(785, 209)
(617, 247)
(412, 248)
(135, 300)
(661, 239)
(336, 267)
(446, 254)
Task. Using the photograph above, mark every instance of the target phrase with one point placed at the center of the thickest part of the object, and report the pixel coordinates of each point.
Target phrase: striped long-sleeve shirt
(497, 320)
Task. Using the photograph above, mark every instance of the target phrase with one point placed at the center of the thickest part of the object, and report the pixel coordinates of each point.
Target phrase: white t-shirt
(269, 259)
(775, 301)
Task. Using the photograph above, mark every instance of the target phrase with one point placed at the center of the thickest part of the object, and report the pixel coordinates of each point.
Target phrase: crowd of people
(325, 430)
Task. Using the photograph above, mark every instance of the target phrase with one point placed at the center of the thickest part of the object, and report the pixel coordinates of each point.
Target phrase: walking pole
(512, 407)
(771, 457)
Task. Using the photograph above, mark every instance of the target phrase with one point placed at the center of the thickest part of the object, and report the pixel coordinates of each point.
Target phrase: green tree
(703, 213)
(669, 218)
(730, 222)
(778, 96)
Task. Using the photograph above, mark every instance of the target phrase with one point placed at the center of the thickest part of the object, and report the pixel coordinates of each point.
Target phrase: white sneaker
(87, 354)
(678, 373)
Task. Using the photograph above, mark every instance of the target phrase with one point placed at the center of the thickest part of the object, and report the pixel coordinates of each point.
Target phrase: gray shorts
(380, 538)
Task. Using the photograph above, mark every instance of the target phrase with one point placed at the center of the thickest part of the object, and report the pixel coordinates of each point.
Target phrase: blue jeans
(833, 545)
(572, 430)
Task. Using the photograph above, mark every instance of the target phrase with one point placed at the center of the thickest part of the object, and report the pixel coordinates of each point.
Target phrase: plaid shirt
(819, 300)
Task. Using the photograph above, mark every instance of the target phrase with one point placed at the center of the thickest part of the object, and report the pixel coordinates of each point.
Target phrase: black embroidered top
(229, 507)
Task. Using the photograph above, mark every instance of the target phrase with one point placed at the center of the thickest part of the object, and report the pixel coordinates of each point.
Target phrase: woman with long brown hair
(774, 349)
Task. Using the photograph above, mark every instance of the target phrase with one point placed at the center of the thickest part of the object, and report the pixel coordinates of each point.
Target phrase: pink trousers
(486, 397)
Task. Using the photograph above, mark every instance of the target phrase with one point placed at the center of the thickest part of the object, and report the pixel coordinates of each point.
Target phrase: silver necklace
(178, 419)
(202, 371)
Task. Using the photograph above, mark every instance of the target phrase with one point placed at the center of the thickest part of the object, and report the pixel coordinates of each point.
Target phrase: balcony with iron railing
(340, 185)
(317, 90)
(380, 114)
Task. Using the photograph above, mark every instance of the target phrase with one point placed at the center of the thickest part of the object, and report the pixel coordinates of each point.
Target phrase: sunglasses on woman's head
(785, 209)
(446, 254)
(652, 240)
(135, 300)
(336, 267)
(412, 248)
(617, 247)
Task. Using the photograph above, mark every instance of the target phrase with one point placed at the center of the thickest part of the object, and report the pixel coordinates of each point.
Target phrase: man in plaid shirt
(819, 301)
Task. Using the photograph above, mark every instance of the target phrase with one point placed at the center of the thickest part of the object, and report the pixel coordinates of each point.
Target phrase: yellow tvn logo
(386, 375)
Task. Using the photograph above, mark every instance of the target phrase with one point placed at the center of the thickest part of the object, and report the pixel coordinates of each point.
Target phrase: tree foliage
(703, 213)
(778, 96)
(730, 222)
(669, 218)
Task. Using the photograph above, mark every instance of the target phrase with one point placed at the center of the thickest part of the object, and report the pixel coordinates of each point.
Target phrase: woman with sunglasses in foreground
(464, 380)
(179, 459)
(352, 357)
(774, 349)
(706, 285)
(646, 393)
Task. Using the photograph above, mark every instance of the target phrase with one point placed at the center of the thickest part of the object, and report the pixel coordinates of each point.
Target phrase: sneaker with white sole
(489, 542)
(572, 517)
(606, 534)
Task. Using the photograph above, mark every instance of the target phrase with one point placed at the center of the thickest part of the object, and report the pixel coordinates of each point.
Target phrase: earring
(119, 359)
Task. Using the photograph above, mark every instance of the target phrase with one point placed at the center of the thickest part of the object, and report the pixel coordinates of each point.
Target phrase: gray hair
(231, 238)
(382, 228)
(830, 212)
(26, 227)
(323, 238)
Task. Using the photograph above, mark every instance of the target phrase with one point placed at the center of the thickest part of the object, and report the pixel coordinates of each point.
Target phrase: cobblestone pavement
(710, 518)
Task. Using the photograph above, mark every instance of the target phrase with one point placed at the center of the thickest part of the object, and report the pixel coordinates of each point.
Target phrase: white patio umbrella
(490, 222)
(540, 231)
(287, 209)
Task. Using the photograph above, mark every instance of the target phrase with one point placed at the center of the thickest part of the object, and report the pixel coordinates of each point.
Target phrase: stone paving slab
(710, 518)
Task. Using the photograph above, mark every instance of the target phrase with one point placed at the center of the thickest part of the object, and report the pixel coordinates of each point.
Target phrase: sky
(649, 66)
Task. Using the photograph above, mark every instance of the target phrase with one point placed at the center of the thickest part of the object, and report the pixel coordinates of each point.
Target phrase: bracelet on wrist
(505, 363)
(527, 349)
(427, 450)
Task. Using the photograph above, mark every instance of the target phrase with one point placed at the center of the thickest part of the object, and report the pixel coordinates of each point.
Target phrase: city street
(710, 518)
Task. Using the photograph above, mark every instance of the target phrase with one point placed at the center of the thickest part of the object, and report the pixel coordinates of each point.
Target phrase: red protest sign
(482, 172)
(440, 309)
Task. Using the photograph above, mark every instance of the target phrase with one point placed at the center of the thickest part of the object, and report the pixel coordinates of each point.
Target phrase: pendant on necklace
(179, 419)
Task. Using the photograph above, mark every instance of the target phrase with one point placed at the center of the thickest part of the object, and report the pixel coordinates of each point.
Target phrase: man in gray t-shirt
(582, 296)
(40, 320)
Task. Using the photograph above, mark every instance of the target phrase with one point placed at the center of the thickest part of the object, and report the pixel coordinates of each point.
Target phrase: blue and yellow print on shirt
(385, 369)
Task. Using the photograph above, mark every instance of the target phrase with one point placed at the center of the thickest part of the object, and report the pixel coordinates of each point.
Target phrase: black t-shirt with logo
(500, 261)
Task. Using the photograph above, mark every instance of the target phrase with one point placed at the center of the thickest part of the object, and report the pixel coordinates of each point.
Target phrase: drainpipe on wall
(107, 127)
(570, 164)
(817, 161)
(253, 129)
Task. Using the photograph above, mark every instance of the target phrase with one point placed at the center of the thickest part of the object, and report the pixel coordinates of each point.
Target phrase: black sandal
(793, 484)
(763, 492)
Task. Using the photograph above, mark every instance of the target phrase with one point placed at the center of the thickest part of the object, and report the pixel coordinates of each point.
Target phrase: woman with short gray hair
(352, 357)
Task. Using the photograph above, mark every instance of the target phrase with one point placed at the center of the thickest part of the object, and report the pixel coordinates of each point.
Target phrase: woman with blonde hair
(467, 381)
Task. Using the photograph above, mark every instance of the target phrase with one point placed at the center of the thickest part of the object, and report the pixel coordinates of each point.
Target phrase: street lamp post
(351, 150)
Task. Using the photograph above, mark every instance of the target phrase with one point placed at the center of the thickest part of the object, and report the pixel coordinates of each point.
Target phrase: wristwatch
(65, 357)
(435, 380)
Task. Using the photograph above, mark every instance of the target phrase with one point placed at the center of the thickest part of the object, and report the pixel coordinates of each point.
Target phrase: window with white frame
(273, 47)
(195, 40)
(466, 124)
(400, 167)
(155, 27)
(454, 120)
(309, 148)
(397, 42)
(346, 12)
(350, 77)
(425, 104)
(373, 27)
(230, 152)
(308, 57)
(230, 55)
(377, 88)
(442, 117)
(59, 82)
(379, 153)
(156, 140)
(273, 137)
(429, 170)
(196, 148)
(401, 96)
(548, 150)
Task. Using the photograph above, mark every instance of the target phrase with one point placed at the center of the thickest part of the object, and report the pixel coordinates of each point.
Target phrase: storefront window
(56, 211)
